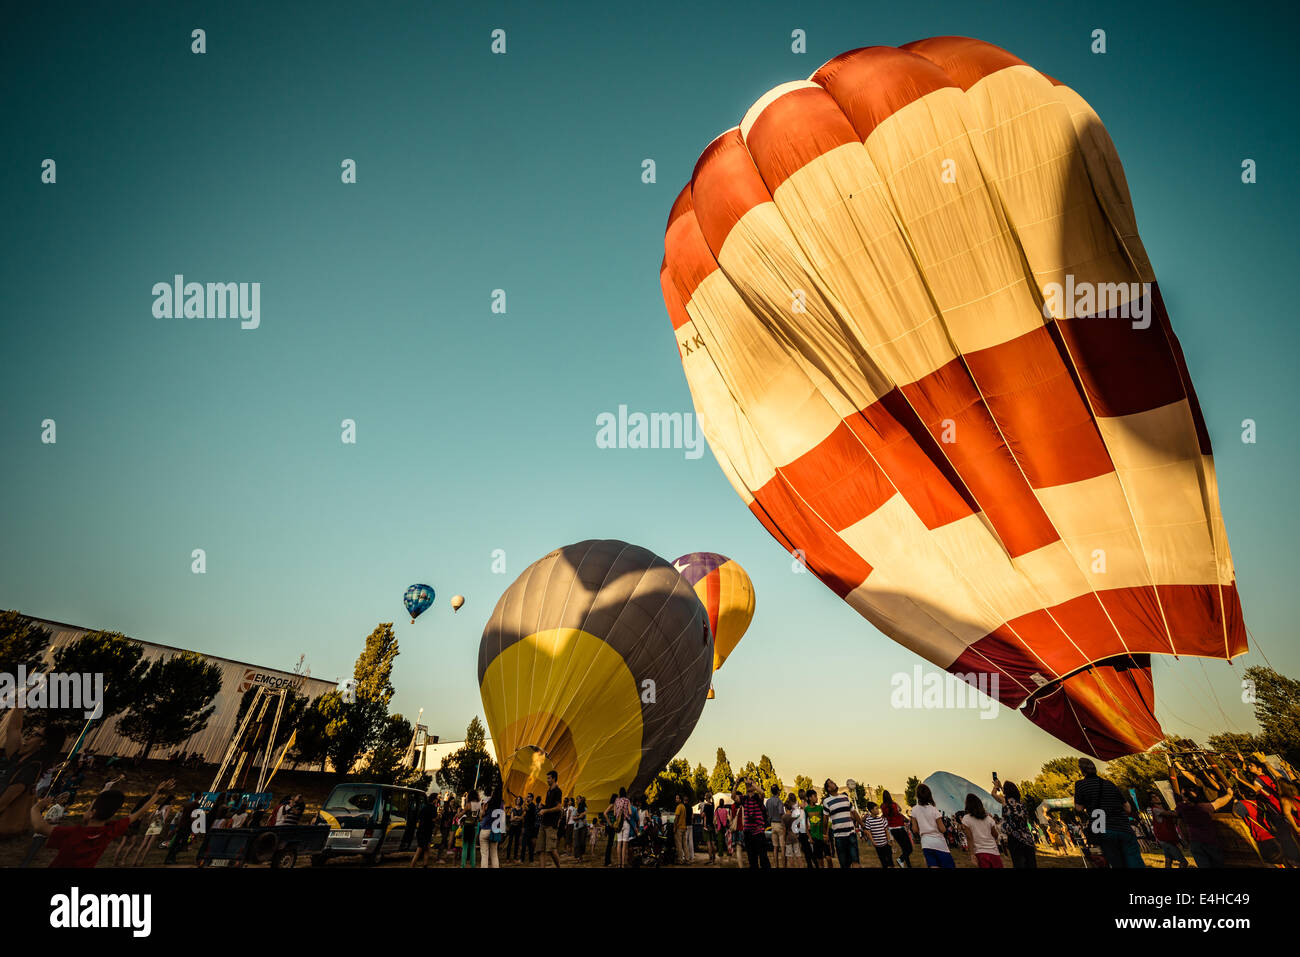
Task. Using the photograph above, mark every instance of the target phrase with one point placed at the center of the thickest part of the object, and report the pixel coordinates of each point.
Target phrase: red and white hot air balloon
(927, 347)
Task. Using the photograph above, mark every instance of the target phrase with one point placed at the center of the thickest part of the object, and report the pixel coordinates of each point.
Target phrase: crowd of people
(811, 829)
(806, 827)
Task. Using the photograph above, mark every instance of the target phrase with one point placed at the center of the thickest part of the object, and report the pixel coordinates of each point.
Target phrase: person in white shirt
(690, 832)
(157, 823)
(57, 811)
(982, 833)
(46, 780)
(928, 826)
(799, 828)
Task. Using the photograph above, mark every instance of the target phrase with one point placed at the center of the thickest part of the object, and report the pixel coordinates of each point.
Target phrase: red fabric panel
(980, 457)
(1106, 711)
(965, 59)
(1033, 398)
(873, 83)
(825, 553)
(795, 129)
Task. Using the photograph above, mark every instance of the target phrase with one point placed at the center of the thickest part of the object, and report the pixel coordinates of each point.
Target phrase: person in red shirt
(898, 828)
(82, 845)
(1164, 824)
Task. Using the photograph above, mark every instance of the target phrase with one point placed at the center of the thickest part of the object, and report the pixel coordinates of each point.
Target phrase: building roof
(67, 626)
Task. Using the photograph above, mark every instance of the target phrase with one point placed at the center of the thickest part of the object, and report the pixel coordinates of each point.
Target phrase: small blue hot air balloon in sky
(418, 598)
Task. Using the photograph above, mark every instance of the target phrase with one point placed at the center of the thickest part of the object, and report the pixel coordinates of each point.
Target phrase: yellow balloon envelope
(594, 664)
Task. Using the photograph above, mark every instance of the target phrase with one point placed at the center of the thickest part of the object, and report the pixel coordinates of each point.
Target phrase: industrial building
(236, 678)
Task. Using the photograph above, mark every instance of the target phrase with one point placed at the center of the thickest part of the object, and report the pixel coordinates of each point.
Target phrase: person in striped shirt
(754, 822)
(878, 828)
(844, 819)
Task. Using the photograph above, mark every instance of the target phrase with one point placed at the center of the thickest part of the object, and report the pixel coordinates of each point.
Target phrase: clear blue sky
(477, 431)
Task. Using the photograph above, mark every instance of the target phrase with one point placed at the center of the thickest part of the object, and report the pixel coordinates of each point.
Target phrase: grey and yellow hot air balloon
(595, 663)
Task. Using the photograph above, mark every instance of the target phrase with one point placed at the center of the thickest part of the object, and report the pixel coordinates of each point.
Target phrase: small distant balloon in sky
(418, 598)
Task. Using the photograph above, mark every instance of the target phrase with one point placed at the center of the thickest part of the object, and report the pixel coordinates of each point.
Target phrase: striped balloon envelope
(927, 348)
(727, 594)
(594, 664)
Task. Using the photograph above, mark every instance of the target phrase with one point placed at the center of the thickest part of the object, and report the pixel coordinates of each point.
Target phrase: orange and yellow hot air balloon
(727, 594)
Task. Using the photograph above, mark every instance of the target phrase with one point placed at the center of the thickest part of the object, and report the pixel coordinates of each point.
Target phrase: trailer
(278, 846)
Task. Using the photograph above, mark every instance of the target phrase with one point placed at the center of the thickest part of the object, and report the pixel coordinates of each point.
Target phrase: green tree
(107, 653)
(1230, 742)
(1141, 771)
(767, 775)
(1055, 780)
(460, 768)
(291, 715)
(699, 781)
(673, 781)
(722, 780)
(1067, 766)
(1277, 709)
(351, 729)
(310, 742)
(802, 782)
(374, 668)
(385, 761)
(1048, 784)
(295, 703)
(909, 792)
(173, 701)
(22, 642)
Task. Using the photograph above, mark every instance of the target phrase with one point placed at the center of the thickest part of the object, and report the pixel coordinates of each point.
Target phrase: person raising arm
(82, 845)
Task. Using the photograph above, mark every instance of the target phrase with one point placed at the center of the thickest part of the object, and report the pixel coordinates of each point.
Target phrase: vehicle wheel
(263, 848)
(285, 857)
